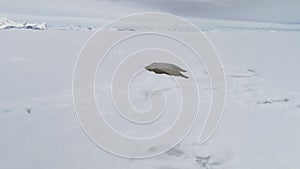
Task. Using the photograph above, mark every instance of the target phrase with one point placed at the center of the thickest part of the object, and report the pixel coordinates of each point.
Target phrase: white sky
(281, 11)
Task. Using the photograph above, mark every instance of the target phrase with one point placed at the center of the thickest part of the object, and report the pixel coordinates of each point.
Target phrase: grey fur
(166, 68)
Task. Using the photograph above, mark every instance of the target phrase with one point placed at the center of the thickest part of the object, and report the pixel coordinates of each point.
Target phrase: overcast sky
(285, 11)
(281, 11)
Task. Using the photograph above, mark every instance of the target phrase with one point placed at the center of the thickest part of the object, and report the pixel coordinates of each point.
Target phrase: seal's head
(151, 67)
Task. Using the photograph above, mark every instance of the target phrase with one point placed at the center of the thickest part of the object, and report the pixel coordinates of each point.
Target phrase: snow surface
(259, 129)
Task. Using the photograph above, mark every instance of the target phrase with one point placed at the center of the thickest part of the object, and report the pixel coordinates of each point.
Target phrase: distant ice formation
(8, 24)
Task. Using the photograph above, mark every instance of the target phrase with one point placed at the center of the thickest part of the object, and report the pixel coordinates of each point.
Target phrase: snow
(259, 128)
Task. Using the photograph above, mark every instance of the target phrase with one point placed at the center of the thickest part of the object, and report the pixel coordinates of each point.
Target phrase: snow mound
(8, 24)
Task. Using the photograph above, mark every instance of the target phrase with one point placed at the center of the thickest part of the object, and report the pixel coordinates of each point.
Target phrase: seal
(166, 68)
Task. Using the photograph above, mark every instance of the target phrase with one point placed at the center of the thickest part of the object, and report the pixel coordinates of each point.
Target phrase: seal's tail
(182, 75)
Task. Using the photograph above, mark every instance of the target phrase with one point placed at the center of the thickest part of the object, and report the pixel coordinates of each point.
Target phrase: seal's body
(166, 68)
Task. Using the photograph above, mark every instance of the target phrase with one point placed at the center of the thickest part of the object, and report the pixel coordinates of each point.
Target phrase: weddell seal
(166, 68)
